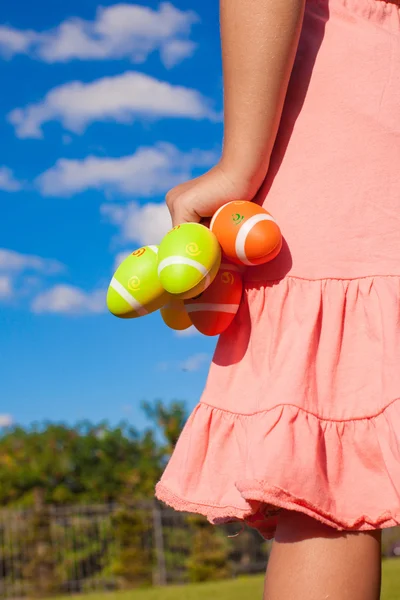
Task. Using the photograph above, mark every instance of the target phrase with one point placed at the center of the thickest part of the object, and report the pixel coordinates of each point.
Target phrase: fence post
(160, 575)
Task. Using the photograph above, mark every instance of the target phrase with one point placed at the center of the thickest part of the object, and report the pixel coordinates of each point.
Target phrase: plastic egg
(247, 233)
(188, 260)
(135, 289)
(175, 315)
(214, 310)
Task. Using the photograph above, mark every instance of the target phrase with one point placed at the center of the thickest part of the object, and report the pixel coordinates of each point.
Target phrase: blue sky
(102, 109)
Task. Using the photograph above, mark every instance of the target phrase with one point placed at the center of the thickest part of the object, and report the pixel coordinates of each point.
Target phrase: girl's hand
(200, 198)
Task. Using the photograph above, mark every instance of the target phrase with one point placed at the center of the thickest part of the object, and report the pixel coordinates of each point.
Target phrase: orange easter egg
(214, 310)
(247, 233)
(175, 316)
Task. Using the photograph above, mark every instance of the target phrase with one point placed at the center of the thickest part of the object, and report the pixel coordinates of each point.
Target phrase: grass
(391, 579)
(238, 589)
(233, 589)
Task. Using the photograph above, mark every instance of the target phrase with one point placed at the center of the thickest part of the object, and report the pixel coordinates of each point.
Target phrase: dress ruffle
(344, 474)
(301, 410)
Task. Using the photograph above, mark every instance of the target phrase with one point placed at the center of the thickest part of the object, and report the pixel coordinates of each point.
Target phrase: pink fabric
(301, 409)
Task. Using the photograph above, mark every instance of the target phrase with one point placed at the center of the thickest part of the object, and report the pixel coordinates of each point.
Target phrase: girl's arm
(259, 42)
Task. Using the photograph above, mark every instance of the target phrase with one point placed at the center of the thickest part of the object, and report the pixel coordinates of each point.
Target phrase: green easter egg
(135, 289)
(189, 257)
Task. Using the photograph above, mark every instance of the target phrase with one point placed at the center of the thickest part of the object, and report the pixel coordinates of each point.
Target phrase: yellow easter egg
(135, 289)
(188, 260)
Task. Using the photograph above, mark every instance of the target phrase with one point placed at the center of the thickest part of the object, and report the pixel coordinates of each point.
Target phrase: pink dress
(301, 409)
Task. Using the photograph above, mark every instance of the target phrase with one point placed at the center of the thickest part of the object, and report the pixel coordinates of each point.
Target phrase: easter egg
(248, 234)
(175, 316)
(135, 290)
(214, 310)
(188, 260)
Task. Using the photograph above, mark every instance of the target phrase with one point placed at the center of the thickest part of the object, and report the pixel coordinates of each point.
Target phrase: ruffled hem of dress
(344, 477)
(277, 497)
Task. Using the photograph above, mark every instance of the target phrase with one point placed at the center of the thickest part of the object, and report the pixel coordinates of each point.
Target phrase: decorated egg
(188, 260)
(213, 310)
(135, 289)
(247, 233)
(175, 316)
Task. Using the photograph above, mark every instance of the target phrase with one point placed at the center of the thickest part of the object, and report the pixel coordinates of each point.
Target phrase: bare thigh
(311, 561)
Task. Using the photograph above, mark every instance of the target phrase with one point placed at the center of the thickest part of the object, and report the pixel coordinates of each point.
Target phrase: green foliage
(80, 466)
(133, 563)
(249, 553)
(87, 463)
(71, 464)
(168, 420)
(208, 558)
(83, 543)
(12, 555)
(40, 569)
(177, 542)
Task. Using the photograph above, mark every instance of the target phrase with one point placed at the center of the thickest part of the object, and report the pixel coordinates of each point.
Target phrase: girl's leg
(311, 561)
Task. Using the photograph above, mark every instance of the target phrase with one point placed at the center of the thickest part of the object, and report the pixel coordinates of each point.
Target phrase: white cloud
(13, 41)
(5, 287)
(7, 181)
(11, 261)
(120, 257)
(194, 363)
(118, 31)
(176, 50)
(22, 274)
(121, 98)
(189, 332)
(6, 420)
(190, 364)
(143, 225)
(149, 171)
(66, 299)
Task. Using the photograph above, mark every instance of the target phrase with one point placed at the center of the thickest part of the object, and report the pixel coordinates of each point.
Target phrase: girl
(298, 430)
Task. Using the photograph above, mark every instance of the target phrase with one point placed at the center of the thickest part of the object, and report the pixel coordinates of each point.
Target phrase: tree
(86, 463)
(41, 567)
(169, 421)
(133, 563)
(208, 558)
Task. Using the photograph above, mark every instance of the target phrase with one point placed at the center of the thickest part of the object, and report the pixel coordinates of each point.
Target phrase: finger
(183, 215)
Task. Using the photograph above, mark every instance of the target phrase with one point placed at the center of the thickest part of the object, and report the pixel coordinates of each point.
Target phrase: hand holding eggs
(184, 277)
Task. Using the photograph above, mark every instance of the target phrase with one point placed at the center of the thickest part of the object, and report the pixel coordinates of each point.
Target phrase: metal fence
(55, 550)
(73, 549)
